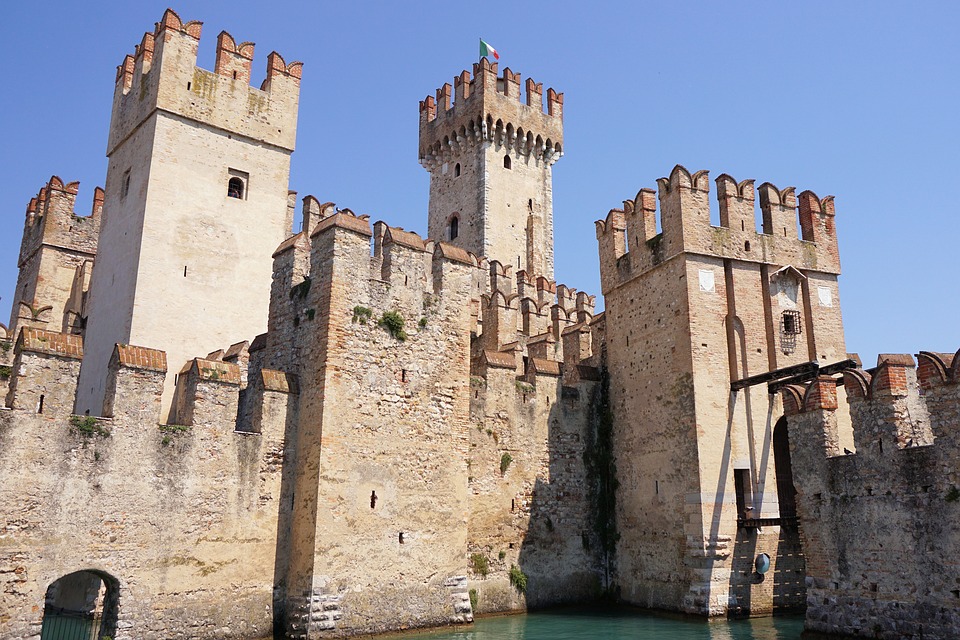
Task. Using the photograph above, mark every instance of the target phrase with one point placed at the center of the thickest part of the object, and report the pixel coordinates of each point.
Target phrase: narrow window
(40, 405)
(506, 162)
(125, 188)
(235, 188)
(454, 227)
(403, 375)
(513, 504)
(188, 86)
(184, 271)
(741, 479)
(234, 75)
(456, 170)
(401, 537)
(746, 246)
(530, 205)
(373, 499)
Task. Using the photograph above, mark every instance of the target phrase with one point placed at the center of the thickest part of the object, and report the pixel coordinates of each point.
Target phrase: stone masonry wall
(880, 526)
(181, 518)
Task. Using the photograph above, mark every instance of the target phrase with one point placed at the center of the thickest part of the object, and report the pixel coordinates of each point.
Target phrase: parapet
(134, 383)
(51, 219)
(207, 393)
(162, 74)
(486, 107)
(44, 372)
(630, 244)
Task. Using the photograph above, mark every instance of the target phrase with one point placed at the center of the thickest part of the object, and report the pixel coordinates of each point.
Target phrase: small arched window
(454, 227)
(506, 162)
(456, 170)
(235, 188)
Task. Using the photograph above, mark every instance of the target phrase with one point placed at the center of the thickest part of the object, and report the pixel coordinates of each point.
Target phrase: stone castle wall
(880, 525)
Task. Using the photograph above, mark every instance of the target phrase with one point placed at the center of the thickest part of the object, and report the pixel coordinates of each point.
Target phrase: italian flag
(487, 50)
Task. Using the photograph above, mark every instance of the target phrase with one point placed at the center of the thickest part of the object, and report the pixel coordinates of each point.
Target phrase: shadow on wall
(564, 557)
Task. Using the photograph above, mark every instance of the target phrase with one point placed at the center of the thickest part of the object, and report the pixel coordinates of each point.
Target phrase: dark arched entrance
(80, 606)
(786, 492)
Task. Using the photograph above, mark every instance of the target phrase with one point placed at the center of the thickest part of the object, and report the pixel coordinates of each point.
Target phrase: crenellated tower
(490, 156)
(56, 260)
(196, 200)
(693, 313)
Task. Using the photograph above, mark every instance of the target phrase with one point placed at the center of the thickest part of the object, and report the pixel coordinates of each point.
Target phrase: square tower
(196, 202)
(490, 158)
(703, 464)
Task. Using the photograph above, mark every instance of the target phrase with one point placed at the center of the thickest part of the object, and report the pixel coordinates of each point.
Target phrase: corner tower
(196, 201)
(490, 158)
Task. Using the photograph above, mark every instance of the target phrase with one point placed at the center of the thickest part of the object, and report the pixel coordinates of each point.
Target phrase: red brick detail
(821, 394)
(279, 381)
(500, 360)
(347, 221)
(456, 254)
(50, 343)
(409, 239)
(131, 357)
(891, 378)
(214, 370)
(545, 367)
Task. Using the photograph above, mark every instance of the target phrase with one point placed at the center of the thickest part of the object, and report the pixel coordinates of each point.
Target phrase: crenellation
(43, 376)
(233, 60)
(207, 393)
(134, 385)
(894, 493)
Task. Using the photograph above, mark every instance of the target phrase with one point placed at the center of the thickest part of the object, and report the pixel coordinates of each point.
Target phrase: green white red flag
(487, 50)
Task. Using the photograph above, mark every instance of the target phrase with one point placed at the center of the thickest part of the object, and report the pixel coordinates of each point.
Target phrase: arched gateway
(80, 606)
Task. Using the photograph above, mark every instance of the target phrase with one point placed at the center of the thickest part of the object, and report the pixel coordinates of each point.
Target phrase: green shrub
(5, 372)
(473, 599)
(88, 426)
(518, 578)
(362, 314)
(392, 321)
(953, 494)
(502, 555)
(301, 290)
(505, 461)
(480, 564)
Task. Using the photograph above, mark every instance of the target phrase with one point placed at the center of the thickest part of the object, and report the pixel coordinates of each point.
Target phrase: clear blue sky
(854, 99)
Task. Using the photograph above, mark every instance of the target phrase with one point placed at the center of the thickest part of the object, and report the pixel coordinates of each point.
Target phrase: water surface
(615, 624)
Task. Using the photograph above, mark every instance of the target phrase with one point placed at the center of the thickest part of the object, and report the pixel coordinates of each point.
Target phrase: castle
(216, 428)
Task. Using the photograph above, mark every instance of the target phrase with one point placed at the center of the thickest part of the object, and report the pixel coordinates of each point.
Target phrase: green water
(615, 624)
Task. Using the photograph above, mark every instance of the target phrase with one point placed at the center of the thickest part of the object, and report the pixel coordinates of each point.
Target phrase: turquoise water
(615, 624)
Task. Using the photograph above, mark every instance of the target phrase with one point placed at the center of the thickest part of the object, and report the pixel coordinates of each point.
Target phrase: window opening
(530, 205)
(401, 537)
(454, 227)
(456, 170)
(373, 499)
(184, 271)
(791, 323)
(235, 188)
(188, 86)
(741, 479)
(40, 407)
(234, 75)
(125, 189)
(507, 164)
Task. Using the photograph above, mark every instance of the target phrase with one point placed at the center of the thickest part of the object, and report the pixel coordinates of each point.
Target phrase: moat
(615, 624)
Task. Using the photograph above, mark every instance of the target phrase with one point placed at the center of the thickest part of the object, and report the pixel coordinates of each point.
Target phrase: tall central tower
(490, 158)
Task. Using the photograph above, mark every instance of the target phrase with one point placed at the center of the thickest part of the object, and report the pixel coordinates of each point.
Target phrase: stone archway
(81, 606)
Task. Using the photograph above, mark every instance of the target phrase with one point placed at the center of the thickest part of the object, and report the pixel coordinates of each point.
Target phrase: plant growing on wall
(88, 426)
(362, 314)
(392, 321)
(505, 461)
(518, 579)
(602, 473)
(5, 347)
(473, 599)
(5, 372)
(301, 290)
(480, 564)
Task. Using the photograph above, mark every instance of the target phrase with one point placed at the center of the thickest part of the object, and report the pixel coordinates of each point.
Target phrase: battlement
(161, 74)
(488, 108)
(51, 219)
(865, 513)
(630, 243)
